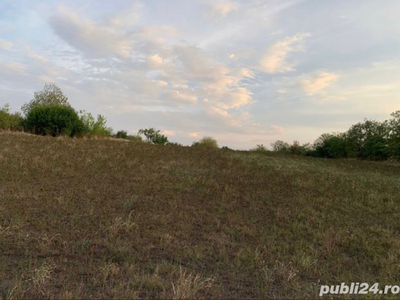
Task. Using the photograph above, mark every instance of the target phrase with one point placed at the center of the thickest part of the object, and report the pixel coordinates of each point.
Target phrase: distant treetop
(50, 95)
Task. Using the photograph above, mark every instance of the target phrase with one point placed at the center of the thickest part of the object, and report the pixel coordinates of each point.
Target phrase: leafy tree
(10, 121)
(153, 136)
(394, 140)
(50, 95)
(375, 148)
(95, 127)
(206, 142)
(358, 135)
(295, 148)
(54, 120)
(260, 148)
(331, 146)
(280, 146)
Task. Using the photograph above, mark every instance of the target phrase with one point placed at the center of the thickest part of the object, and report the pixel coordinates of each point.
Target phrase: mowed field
(116, 219)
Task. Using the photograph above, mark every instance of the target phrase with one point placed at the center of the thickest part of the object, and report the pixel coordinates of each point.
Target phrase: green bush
(54, 120)
(10, 121)
(280, 146)
(94, 127)
(206, 142)
(260, 148)
(121, 134)
(153, 136)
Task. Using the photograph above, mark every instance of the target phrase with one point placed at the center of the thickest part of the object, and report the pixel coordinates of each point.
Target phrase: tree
(10, 121)
(331, 145)
(280, 146)
(394, 138)
(95, 127)
(153, 136)
(50, 95)
(260, 148)
(358, 137)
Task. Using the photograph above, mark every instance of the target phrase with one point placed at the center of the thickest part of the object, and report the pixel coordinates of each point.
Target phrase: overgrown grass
(104, 219)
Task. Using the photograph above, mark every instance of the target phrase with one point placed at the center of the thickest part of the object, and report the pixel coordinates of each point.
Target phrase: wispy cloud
(6, 45)
(317, 82)
(89, 37)
(275, 59)
(222, 8)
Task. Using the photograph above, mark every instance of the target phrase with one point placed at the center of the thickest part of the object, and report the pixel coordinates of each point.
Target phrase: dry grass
(103, 219)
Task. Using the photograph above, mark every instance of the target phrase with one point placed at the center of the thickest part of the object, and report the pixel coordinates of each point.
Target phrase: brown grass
(103, 219)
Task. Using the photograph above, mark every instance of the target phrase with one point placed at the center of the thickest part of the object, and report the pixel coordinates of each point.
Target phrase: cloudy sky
(244, 72)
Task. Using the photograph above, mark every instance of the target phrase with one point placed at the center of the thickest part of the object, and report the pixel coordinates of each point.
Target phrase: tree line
(50, 113)
(370, 140)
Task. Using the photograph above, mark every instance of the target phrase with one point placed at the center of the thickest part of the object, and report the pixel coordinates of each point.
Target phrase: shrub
(54, 120)
(260, 148)
(136, 138)
(10, 121)
(206, 142)
(280, 146)
(295, 148)
(153, 136)
(94, 127)
(121, 134)
(50, 95)
(174, 144)
(226, 148)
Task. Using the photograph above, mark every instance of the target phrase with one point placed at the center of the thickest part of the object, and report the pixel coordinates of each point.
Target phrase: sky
(244, 72)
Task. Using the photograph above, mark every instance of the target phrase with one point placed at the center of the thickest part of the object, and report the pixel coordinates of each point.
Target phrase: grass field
(114, 219)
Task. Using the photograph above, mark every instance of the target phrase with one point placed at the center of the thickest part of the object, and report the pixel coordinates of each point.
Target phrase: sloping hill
(103, 218)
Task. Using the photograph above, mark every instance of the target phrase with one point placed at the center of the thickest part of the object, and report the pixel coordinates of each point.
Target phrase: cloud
(222, 8)
(275, 58)
(6, 45)
(317, 82)
(193, 134)
(155, 60)
(128, 18)
(169, 132)
(232, 56)
(276, 129)
(12, 68)
(90, 38)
